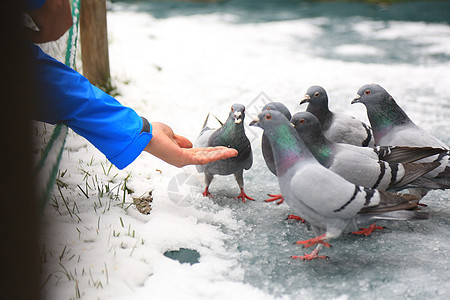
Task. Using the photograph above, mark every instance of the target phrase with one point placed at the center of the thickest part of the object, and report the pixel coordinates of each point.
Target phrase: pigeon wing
(347, 129)
(329, 194)
(403, 154)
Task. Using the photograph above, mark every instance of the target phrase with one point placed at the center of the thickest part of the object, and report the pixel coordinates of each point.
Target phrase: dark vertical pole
(19, 217)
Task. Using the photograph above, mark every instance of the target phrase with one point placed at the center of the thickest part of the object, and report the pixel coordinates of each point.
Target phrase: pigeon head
(310, 131)
(371, 94)
(237, 112)
(382, 110)
(306, 123)
(317, 100)
(276, 126)
(270, 119)
(316, 96)
(287, 146)
(278, 106)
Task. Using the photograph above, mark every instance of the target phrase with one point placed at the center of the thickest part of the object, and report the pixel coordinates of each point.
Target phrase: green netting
(48, 165)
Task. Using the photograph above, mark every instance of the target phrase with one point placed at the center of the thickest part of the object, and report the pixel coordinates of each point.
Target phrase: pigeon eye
(316, 94)
(302, 121)
(268, 117)
(268, 108)
(367, 92)
(232, 109)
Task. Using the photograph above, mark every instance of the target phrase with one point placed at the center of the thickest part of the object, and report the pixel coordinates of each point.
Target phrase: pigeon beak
(305, 99)
(254, 122)
(356, 99)
(237, 117)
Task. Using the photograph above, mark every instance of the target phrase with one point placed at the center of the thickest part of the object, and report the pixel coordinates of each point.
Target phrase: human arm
(53, 19)
(65, 96)
(177, 150)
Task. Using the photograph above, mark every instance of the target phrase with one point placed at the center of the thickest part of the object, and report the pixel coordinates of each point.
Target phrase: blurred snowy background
(174, 62)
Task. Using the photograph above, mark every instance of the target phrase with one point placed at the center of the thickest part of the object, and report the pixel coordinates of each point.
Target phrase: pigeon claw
(274, 198)
(314, 241)
(368, 231)
(310, 256)
(206, 193)
(294, 217)
(244, 196)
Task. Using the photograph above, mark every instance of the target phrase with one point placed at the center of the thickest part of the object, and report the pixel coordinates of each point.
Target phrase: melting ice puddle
(184, 256)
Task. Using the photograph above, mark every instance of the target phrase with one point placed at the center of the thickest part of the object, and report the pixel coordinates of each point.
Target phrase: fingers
(177, 150)
(207, 155)
(182, 141)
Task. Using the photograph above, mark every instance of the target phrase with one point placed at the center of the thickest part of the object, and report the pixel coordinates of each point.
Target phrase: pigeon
(392, 127)
(327, 201)
(231, 134)
(267, 148)
(359, 165)
(339, 128)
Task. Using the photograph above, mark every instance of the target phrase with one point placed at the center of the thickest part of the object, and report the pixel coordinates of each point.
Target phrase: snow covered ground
(178, 67)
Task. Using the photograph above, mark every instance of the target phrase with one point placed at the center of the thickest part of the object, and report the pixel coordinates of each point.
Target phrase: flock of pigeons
(333, 170)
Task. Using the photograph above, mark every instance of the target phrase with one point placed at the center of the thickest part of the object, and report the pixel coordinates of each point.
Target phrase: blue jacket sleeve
(65, 96)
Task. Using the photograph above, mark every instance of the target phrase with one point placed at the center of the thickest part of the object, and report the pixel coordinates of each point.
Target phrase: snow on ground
(95, 243)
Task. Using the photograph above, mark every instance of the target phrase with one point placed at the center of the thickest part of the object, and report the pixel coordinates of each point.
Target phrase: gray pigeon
(339, 128)
(359, 165)
(267, 148)
(231, 134)
(392, 127)
(327, 201)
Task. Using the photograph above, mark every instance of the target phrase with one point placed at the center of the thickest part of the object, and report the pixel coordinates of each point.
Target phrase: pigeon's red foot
(314, 241)
(368, 231)
(422, 204)
(274, 198)
(294, 217)
(244, 196)
(206, 193)
(311, 256)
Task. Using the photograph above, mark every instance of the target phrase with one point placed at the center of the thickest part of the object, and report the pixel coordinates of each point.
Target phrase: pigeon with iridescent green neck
(392, 127)
(267, 148)
(231, 134)
(359, 165)
(327, 201)
(337, 127)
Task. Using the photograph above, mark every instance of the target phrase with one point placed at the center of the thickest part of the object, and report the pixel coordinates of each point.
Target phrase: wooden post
(94, 42)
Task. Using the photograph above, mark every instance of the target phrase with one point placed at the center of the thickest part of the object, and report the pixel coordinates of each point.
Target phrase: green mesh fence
(48, 165)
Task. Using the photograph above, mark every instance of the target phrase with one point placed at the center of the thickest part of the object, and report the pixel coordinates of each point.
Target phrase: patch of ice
(358, 50)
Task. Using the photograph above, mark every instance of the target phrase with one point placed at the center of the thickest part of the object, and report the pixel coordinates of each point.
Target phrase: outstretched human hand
(53, 19)
(177, 150)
